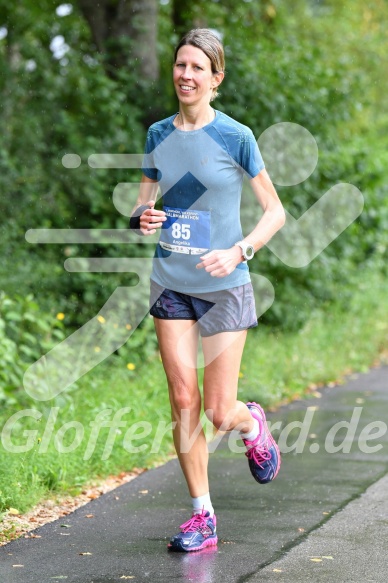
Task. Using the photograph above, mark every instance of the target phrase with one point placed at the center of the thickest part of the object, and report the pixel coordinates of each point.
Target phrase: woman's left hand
(221, 262)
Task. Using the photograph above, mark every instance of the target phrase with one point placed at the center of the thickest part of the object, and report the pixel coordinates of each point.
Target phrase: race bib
(185, 231)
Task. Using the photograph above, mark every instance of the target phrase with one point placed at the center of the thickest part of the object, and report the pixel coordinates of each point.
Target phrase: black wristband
(134, 221)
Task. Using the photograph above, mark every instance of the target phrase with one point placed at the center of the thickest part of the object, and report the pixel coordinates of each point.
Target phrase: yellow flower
(128, 327)
(240, 375)
(97, 349)
(131, 366)
(60, 316)
(101, 319)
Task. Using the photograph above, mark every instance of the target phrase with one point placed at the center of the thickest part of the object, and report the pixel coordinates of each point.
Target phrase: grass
(337, 340)
(83, 442)
(77, 439)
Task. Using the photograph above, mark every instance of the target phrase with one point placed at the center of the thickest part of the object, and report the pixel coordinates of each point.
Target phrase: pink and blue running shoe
(197, 533)
(263, 453)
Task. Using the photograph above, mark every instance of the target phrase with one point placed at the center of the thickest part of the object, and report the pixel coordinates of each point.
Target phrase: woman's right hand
(151, 219)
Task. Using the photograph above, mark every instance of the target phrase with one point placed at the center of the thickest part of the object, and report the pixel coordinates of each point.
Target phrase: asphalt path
(324, 518)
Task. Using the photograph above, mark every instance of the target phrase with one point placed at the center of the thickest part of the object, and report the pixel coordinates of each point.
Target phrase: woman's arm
(150, 219)
(274, 216)
(220, 263)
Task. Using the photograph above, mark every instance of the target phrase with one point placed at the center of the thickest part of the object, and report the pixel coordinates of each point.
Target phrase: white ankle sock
(202, 503)
(251, 436)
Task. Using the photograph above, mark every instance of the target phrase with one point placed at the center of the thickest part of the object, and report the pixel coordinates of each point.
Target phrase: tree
(125, 32)
(184, 16)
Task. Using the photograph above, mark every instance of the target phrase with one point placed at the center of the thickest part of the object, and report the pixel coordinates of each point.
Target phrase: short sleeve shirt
(200, 174)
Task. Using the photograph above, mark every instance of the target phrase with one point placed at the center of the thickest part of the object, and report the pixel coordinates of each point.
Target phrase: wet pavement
(324, 518)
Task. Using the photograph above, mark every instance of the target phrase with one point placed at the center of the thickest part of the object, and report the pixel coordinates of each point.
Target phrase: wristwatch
(247, 249)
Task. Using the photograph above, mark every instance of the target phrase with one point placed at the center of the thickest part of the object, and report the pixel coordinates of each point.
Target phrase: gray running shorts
(219, 311)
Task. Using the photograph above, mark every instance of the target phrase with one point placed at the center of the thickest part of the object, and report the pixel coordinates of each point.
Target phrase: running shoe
(263, 453)
(196, 534)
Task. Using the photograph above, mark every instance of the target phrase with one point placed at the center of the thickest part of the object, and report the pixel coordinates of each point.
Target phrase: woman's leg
(185, 400)
(222, 354)
(227, 413)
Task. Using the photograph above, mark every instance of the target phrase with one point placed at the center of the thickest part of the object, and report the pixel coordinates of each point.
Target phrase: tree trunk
(181, 16)
(125, 32)
(187, 15)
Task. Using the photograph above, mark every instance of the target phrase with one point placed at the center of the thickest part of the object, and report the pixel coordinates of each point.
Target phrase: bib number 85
(180, 231)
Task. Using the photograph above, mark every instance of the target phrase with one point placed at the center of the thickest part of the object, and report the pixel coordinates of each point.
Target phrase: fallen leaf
(84, 553)
(17, 565)
(13, 511)
(143, 491)
(93, 495)
(277, 570)
(301, 530)
(316, 560)
(89, 515)
(66, 525)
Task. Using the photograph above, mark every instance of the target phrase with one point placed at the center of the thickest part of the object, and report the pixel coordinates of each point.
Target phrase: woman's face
(193, 77)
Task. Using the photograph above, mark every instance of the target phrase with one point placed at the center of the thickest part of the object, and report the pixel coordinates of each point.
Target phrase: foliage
(307, 68)
(312, 63)
(25, 334)
(336, 340)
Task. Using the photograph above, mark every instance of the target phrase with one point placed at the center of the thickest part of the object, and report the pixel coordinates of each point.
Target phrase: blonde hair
(210, 44)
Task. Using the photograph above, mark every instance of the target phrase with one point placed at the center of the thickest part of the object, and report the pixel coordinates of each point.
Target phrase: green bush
(25, 334)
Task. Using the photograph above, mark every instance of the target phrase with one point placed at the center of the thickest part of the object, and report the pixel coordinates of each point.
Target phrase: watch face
(249, 252)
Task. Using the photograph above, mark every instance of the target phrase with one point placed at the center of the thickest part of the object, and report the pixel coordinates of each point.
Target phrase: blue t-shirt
(200, 174)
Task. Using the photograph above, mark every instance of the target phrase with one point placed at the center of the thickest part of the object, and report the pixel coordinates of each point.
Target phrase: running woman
(200, 283)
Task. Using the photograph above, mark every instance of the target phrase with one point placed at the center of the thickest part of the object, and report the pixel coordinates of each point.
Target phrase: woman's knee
(219, 415)
(183, 395)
